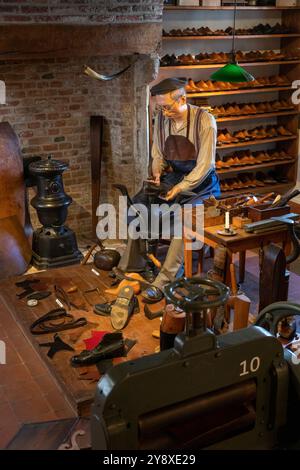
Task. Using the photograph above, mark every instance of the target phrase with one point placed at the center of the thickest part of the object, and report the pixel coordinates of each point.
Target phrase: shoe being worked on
(123, 308)
(112, 345)
(152, 294)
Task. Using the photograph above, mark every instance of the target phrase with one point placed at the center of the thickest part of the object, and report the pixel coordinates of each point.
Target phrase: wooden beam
(96, 123)
(51, 40)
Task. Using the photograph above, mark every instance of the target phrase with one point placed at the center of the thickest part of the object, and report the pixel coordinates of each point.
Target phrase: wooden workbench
(78, 384)
(239, 243)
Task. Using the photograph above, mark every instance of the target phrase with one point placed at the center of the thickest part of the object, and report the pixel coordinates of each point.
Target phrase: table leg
(242, 264)
(188, 258)
(287, 247)
(229, 261)
(200, 261)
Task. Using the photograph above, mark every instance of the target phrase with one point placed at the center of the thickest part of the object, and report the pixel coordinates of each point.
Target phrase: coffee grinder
(53, 245)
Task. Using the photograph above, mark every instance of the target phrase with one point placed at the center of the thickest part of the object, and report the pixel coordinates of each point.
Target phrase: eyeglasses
(166, 107)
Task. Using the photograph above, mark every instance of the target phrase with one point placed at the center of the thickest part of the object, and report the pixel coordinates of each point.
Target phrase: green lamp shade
(232, 72)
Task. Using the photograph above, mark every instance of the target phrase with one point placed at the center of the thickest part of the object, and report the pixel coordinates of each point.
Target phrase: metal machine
(236, 391)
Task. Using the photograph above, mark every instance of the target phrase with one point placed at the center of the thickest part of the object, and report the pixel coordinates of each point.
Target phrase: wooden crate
(264, 211)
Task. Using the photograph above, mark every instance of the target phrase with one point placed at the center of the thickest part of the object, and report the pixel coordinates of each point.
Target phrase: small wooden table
(239, 243)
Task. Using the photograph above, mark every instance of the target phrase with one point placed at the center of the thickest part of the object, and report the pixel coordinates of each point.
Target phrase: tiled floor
(27, 391)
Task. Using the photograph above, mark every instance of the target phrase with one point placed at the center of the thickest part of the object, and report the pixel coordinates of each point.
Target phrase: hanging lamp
(232, 72)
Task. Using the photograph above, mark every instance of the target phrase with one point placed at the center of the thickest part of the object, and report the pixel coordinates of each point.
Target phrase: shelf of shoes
(242, 8)
(256, 116)
(229, 37)
(278, 188)
(243, 91)
(260, 166)
(256, 142)
(244, 161)
(281, 41)
(249, 111)
(260, 31)
(215, 59)
(254, 136)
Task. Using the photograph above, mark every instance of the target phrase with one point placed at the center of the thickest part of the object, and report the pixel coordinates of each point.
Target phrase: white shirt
(207, 152)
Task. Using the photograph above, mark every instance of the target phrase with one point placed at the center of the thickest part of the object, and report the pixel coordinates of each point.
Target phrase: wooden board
(96, 128)
(79, 391)
(15, 252)
(12, 189)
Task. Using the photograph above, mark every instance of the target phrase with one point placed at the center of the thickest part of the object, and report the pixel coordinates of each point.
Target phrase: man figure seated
(183, 159)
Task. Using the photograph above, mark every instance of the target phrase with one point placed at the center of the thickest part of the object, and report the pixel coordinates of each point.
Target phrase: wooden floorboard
(78, 384)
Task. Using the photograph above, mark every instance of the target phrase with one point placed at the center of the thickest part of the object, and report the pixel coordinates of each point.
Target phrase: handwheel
(192, 294)
(270, 316)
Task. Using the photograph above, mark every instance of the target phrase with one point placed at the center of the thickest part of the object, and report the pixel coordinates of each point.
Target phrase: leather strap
(43, 324)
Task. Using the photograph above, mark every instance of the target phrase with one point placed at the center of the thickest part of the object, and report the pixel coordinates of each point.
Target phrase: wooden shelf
(217, 66)
(249, 8)
(290, 16)
(244, 36)
(242, 91)
(280, 188)
(256, 116)
(257, 167)
(251, 143)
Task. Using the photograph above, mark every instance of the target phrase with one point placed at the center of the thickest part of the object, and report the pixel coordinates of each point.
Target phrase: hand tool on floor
(66, 298)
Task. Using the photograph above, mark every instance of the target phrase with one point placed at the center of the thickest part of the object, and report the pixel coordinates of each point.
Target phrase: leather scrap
(74, 336)
(94, 340)
(57, 345)
(91, 374)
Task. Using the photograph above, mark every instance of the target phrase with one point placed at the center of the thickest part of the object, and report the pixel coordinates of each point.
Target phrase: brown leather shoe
(284, 132)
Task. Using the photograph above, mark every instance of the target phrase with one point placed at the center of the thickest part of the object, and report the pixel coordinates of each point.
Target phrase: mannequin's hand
(172, 193)
(155, 179)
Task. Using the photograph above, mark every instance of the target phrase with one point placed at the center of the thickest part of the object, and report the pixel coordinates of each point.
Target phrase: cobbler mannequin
(183, 159)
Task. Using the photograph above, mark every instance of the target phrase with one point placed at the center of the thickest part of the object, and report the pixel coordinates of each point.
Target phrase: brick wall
(80, 11)
(49, 104)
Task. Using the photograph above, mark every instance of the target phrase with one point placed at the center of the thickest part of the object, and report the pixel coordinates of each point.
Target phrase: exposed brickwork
(80, 11)
(49, 104)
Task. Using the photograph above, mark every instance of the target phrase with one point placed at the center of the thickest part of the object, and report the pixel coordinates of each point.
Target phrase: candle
(227, 221)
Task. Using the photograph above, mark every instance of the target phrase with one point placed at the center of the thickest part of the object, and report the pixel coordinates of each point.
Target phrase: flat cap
(168, 85)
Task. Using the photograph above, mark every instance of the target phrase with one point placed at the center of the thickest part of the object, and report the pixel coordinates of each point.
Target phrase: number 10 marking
(253, 366)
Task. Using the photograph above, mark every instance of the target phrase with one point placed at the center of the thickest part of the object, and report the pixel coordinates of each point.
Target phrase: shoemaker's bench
(78, 384)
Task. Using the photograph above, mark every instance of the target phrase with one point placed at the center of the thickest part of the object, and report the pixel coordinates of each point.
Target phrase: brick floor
(28, 392)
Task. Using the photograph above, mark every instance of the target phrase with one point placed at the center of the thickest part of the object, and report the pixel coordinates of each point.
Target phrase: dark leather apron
(180, 153)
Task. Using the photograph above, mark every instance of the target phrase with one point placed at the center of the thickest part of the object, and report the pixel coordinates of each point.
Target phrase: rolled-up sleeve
(158, 161)
(206, 156)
